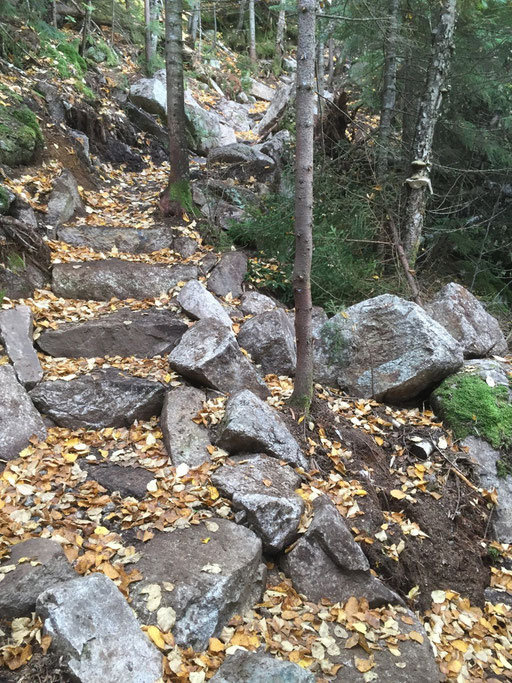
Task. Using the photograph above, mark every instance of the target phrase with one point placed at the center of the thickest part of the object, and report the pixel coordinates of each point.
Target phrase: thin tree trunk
(241, 15)
(148, 37)
(281, 27)
(305, 103)
(252, 32)
(113, 22)
(214, 26)
(193, 23)
(430, 105)
(176, 199)
(86, 29)
(320, 71)
(54, 13)
(330, 67)
(388, 89)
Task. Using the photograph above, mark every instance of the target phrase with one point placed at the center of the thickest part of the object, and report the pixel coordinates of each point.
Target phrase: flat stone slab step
(142, 334)
(105, 279)
(129, 240)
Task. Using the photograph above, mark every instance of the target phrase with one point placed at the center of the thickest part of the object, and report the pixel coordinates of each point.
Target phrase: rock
(150, 94)
(457, 310)
(103, 280)
(21, 284)
(185, 441)
(327, 563)
(6, 200)
(243, 161)
(489, 369)
(19, 420)
(495, 596)
(129, 240)
(103, 398)
(223, 213)
(250, 426)
(16, 335)
(65, 201)
(235, 115)
(487, 460)
(144, 334)
(147, 123)
(264, 490)
(253, 303)
(283, 99)
(22, 586)
(129, 481)
(258, 667)
(184, 246)
(198, 303)
(261, 91)
(210, 582)
(385, 347)
(94, 630)
(24, 213)
(290, 64)
(205, 127)
(228, 275)
(82, 146)
(277, 146)
(209, 354)
(270, 339)
(236, 153)
(21, 137)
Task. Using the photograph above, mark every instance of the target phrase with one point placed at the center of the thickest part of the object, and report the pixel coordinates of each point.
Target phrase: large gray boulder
(270, 339)
(242, 161)
(65, 200)
(199, 303)
(103, 398)
(385, 347)
(235, 114)
(258, 667)
(209, 354)
(228, 275)
(16, 334)
(19, 420)
(261, 91)
(254, 303)
(96, 633)
(478, 332)
(488, 463)
(128, 240)
(103, 280)
(327, 563)
(150, 94)
(143, 334)
(199, 584)
(263, 489)
(206, 128)
(185, 440)
(44, 565)
(282, 100)
(250, 426)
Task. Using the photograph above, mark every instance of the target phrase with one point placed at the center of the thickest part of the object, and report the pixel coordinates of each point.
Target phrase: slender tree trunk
(176, 198)
(305, 103)
(388, 89)
(330, 67)
(148, 37)
(281, 27)
(241, 15)
(252, 32)
(320, 71)
(86, 28)
(430, 105)
(193, 23)
(54, 13)
(113, 22)
(214, 26)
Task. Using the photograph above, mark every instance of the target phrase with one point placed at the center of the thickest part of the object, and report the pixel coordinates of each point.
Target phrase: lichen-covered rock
(143, 334)
(20, 136)
(254, 303)
(270, 339)
(199, 303)
(16, 335)
(19, 420)
(263, 489)
(65, 200)
(103, 280)
(150, 94)
(457, 310)
(251, 426)
(199, 585)
(185, 440)
(258, 667)
(205, 128)
(96, 633)
(228, 275)
(29, 569)
(209, 354)
(129, 240)
(385, 347)
(103, 398)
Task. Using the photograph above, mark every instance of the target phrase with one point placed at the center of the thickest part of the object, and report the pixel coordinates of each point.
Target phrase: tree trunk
(86, 29)
(241, 15)
(330, 68)
(193, 23)
(281, 27)
(54, 13)
(430, 105)
(151, 39)
(176, 199)
(305, 103)
(214, 26)
(252, 32)
(388, 89)
(320, 72)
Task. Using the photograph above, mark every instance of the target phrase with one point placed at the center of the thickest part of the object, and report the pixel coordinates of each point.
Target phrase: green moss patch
(469, 406)
(20, 135)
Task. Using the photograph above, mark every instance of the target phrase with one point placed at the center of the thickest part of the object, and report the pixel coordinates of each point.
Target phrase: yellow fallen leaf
(363, 665)
(156, 636)
(70, 457)
(101, 531)
(214, 494)
(414, 635)
(216, 645)
(396, 493)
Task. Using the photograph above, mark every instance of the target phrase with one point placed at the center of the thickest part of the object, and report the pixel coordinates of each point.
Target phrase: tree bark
(330, 68)
(305, 103)
(176, 199)
(252, 32)
(430, 105)
(281, 27)
(193, 23)
(388, 89)
(320, 72)
(86, 29)
(241, 15)
(151, 39)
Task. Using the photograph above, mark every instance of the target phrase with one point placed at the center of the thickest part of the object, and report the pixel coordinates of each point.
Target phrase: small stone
(64, 201)
(129, 481)
(185, 441)
(16, 335)
(228, 275)
(258, 667)
(199, 303)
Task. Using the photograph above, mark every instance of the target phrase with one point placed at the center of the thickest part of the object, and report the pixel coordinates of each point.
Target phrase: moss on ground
(469, 406)
(20, 135)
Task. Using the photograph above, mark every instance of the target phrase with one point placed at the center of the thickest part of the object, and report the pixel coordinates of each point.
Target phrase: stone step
(129, 240)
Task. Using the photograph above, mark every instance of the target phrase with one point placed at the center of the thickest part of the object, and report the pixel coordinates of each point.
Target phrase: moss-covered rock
(20, 135)
(6, 199)
(470, 405)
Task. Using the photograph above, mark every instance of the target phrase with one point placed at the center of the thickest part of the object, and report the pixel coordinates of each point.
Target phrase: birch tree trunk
(281, 26)
(193, 23)
(241, 15)
(176, 198)
(430, 105)
(151, 39)
(252, 32)
(305, 103)
(388, 89)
